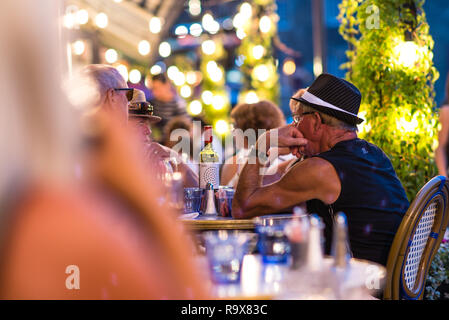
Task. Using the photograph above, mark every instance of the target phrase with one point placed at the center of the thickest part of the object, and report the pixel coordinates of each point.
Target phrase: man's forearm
(249, 181)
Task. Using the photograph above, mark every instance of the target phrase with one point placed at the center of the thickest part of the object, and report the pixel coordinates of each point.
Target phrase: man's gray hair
(329, 120)
(105, 76)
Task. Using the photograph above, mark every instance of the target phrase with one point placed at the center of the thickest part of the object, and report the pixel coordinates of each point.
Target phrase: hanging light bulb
(181, 31)
(156, 69)
(195, 107)
(218, 102)
(289, 67)
(221, 127)
(406, 53)
(155, 25)
(135, 76)
(258, 52)
(195, 7)
(208, 47)
(172, 71)
(78, 47)
(207, 97)
(164, 49)
(265, 24)
(82, 16)
(186, 91)
(111, 56)
(261, 72)
(246, 11)
(144, 47)
(196, 29)
(251, 97)
(101, 20)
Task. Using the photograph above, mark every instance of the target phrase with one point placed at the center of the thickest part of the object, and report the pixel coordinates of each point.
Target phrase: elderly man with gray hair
(109, 92)
(340, 172)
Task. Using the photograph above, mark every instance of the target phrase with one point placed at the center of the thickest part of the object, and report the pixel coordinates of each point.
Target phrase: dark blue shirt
(372, 197)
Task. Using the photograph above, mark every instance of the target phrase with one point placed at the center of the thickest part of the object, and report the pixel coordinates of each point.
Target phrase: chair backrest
(417, 241)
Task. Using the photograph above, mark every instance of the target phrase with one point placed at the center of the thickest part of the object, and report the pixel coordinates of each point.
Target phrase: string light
(194, 7)
(111, 56)
(195, 107)
(155, 25)
(196, 29)
(289, 67)
(144, 47)
(186, 91)
(261, 72)
(407, 53)
(251, 97)
(207, 97)
(181, 31)
(208, 47)
(101, 20)
(246, 11)
(135, 76)
(179, 79)
(191, 77)
(258, 52)
(265, 24)
(222, 127)
(164, 49)
(172, 71)
(82, 16)
(218, 102)
(78, 47)
(156, 69)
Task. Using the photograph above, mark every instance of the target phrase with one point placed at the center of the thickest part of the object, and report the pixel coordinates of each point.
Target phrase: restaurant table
(204, 223)
(277, 281)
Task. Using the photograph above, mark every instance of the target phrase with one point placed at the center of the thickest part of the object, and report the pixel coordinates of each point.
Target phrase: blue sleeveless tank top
(372, 197)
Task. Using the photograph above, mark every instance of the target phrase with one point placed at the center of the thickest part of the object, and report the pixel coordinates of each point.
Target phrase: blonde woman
(102, 236)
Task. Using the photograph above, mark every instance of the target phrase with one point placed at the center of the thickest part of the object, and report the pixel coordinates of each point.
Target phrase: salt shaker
(210, 201)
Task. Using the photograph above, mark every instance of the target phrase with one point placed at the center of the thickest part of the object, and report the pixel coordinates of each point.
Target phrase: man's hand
(284, 137)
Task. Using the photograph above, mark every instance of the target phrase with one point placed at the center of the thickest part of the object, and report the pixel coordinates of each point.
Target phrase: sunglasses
(129, 92)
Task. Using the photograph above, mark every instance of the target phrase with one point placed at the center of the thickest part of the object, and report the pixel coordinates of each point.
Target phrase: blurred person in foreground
(100, 237)
(263, 115)
(166, 102)
(442, 151)
(340, 172)
(142, 118)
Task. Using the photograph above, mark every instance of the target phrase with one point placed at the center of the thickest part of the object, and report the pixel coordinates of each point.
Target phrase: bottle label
(209, 172)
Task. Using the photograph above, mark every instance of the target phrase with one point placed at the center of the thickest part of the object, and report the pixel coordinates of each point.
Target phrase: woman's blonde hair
(261, 115)
(38, 127)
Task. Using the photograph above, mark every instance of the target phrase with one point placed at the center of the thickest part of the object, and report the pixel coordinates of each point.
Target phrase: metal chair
(417, 241)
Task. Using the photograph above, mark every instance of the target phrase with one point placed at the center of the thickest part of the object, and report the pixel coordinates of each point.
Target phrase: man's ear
(318, 122)
(110, 96)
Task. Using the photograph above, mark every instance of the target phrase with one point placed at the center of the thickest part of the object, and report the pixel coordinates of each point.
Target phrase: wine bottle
(209, 165)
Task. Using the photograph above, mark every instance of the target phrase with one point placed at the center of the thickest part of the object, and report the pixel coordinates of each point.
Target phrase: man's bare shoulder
(316, 174)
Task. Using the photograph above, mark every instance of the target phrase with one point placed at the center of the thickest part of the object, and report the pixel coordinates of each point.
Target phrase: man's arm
(440, 152)
(314, 178)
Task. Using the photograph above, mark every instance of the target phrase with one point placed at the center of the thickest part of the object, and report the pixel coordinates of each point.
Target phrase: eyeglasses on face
(297, 118)
(129, 92)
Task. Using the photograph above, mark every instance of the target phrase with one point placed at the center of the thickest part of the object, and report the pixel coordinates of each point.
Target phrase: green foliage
(397, 90)
(268, 88)
(438, 273)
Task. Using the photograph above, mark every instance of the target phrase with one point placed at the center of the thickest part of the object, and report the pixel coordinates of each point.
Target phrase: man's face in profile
(143, 127)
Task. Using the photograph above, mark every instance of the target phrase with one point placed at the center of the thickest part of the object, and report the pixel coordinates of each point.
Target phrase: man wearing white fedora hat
(141, 116)
(340, 172)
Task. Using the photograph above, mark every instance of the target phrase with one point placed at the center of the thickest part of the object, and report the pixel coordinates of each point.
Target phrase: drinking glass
(225, 196)
(192, 199)
(225, 251)
(273, 243)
